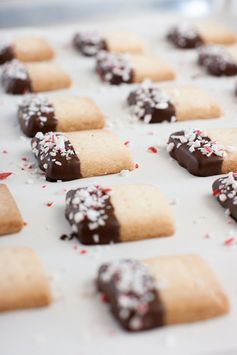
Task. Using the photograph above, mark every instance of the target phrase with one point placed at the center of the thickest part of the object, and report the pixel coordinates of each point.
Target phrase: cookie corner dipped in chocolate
(89, 43)
(217, 60)
(15, 78)
(91, 214)
(36, 114)
(56, 156)
(225, 191)
(196, 152)
(184, 36)
(114, 68)
(6, 52)
(132, 294)
(151, 104)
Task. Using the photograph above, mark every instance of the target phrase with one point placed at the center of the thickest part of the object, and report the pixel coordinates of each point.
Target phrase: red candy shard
(49, 204)
(216, 192)
(106, 189)
(104, 298)
(126, 142)
(230, 241)
(83, 251)
(152, 150)
(136, 166)
(5, 175)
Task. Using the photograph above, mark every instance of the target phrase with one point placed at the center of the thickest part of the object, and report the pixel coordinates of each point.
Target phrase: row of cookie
(142, 294)
(100, 215)
(115, 69)
(90, 43)
(147, 102)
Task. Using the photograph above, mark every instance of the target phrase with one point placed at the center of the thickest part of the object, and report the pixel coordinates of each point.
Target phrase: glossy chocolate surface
(198, 154)
(56, 157)
(91, 214)
(36, 114)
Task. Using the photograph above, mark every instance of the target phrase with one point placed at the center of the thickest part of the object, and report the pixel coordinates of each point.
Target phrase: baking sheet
(78, 322)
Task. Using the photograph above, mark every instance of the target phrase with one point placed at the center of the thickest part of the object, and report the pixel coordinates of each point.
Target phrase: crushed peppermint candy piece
(152, 149)
(5, 175)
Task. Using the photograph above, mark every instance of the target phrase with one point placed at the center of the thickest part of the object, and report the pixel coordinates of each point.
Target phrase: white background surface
(77, 322)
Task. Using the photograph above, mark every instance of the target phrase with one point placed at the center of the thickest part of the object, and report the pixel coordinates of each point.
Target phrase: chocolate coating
(36, 114)
(89, 43)
(102, 229)
(217, 61)
(195, 162)
(184, 37)
(6, 53)
(225, 191)
(135, 310)
(113, 68)
(56, 156)
(15, 78)
(150, 104)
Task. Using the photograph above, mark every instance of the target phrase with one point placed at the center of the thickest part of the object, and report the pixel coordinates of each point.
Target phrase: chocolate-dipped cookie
(74, 155)
(152, 104)
(161, 291)
(225, 191)
(25, 49)
(21, 78)
(101, 215)
(218, 60)
(90, 43)
(205, 153)
(117, 69)
(189, 36)
(38, 113)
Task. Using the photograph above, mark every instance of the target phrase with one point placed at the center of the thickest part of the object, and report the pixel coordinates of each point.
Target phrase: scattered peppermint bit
(230, 241)
(4, 151)
(49, 204)
(127, 143)
(124, 173)
(136, 166)
(5, 175)
(83, 251)
(152, 149)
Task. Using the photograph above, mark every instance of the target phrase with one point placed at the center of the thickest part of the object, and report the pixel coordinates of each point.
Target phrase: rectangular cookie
(74, 155)
(25, 49)
(120, 213)
(161, 291)
(21, 78)
(218, 60)
(10, 217)
(116, 69)
(90, 43)
(154, 105)
(205, 153)
(189, 36)
(37, 113)
(23, 283)
(225, 191)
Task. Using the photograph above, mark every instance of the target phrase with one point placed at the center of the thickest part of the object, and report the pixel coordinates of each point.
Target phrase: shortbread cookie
(21, 78)
(37, 113)
(187, 36)
(69, 156)
(10, 217)
(116, 69)
(154, 105)
(225, 190)
(100, 215)
(161, 291)
(205, 153)
(218, 60)
(90, 43)
(26, 49)
(23, 283)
